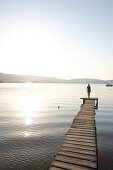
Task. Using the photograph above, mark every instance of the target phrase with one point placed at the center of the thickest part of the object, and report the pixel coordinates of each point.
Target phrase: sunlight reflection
(28, 120)
(28, 105)
(28, 108)
(26, 134)
(31, 106)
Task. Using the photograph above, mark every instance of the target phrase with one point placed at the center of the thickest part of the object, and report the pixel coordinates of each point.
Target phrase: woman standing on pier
(88, 90)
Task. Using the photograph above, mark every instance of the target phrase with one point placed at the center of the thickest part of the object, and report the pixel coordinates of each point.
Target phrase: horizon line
(53, 76)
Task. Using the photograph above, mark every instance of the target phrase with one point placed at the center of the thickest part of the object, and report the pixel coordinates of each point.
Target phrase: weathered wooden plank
(86, 105)
(89, 123)
(89, 130)
(55, 168)
(83, 127)
(76, 161)
(84, 143)
(80, 140)
(80, 134)
(86, 112)
(82, 130)
(68, 166)
(78, 155)
(92, 110)
(80, 122)
(86, 116)
(79, 146)
(80, 137)
(78, 150)
(87, 119)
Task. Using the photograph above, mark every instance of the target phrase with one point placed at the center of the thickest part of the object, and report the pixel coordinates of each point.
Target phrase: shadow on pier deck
(79, 148)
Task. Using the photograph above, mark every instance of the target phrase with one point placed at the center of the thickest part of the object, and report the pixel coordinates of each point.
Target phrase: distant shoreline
(13, 78)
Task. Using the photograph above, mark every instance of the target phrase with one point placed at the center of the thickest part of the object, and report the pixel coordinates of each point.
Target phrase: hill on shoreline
(13, 78)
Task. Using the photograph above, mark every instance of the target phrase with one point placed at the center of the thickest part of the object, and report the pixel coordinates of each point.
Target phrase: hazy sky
(60, 38)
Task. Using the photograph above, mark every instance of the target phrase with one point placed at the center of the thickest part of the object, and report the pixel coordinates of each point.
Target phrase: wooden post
(97, 103)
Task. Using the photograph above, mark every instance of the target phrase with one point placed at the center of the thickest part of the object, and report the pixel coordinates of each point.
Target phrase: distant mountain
(13, 78)
(87, 80)
(110, 81)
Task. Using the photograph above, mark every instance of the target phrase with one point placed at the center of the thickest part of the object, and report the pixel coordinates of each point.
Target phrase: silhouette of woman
(88, 90)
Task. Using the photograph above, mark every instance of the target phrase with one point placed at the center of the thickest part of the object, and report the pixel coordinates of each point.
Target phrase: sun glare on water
(30, 111)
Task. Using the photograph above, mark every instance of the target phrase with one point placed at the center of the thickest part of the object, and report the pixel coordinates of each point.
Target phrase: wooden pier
(79, 148)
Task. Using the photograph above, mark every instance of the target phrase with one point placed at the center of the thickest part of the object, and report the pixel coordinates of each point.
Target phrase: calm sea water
(32, 127)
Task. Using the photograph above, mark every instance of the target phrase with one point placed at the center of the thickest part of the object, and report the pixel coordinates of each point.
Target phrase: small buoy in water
(58, 107)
